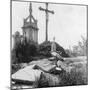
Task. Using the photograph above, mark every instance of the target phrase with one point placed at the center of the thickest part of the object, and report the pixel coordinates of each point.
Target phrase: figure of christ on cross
(46, 11)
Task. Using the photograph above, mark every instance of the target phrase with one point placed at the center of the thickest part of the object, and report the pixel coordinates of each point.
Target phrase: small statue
(54, 52)
(53, 45)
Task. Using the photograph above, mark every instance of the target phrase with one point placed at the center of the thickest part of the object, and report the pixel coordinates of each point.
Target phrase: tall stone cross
(46, 11)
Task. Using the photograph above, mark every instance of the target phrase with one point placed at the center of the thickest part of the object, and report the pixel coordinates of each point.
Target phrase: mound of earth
(45, 49)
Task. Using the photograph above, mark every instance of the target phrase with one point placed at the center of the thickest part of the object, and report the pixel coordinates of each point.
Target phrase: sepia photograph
(49, 44)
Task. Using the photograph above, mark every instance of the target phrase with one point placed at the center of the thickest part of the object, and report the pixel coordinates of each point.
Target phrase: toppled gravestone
(44, 65)
(49, 76)
(64, 66)
(26, 76)
(41, 73)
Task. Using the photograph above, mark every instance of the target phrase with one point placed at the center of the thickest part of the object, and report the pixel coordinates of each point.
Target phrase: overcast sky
(66, 25)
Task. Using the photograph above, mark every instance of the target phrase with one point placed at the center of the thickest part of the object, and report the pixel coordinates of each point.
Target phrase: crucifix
(46, 11)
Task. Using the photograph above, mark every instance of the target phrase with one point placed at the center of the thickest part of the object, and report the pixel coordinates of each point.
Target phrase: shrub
(23, 52)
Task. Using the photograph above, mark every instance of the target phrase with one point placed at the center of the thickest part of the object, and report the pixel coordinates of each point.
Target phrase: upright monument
(47, 15)
(53, 45)
(30, 29)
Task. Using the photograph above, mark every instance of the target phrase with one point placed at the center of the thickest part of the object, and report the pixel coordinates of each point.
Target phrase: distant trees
(80, 49)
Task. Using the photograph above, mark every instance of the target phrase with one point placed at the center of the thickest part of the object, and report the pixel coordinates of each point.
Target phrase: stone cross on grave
(46, 11)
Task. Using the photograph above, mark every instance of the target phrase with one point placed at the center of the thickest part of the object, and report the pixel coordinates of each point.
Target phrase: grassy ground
(76, 73)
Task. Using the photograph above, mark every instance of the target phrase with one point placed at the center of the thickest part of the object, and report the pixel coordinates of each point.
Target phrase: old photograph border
(41, 2)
